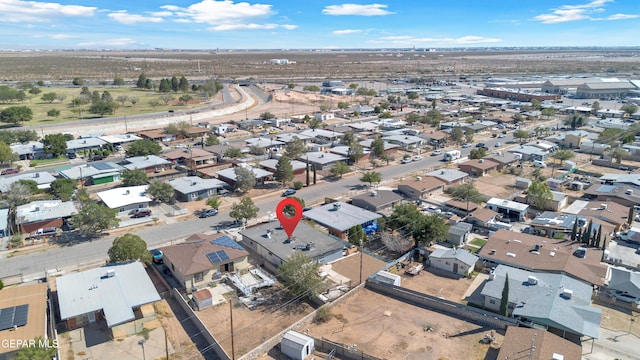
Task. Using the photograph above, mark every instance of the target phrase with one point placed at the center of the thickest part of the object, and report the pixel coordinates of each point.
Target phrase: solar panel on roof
(213, 258)
(228, 242)
(13, 316)
(222, 255)
(102, 166)
(20, 315)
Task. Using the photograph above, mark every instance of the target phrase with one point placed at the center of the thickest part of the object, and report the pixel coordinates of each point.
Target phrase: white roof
(42, 178)
(230, 173)
(84, 143)
(120, 138)
(92, 290)
(44, 210)
(123, 196)
(508, 204)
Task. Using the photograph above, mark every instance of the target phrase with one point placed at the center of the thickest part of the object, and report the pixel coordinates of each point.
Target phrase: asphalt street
(35, 264)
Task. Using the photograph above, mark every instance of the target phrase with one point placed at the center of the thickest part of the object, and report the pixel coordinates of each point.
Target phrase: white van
(539, 164)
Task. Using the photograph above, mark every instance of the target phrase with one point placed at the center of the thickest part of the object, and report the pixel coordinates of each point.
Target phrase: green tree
(311, 88)
(244, 210)
(521, 135)
(629, 109)
(338, 169)
(7, 156)
(134, 178)
(93, 218)
(129, 247)
(595, 107)
(457, 135)
(617, 154)
(49, 97)
(55, 144)
(433, 117)
(212, 140)
(118, 81)
(630, 216)
(78, 81)
(161, 192)
(214, 201)
(16, 115)
(355, 152)
(53, 113)
(465, 192)
(295, 148)
(42, 350)
(31, 184)
(477, 153)
(314, 123)
(468, 135)
(504, 300)
(63, 188)
(233, 153)
(613, 136)
(183, 84)
(284, 170)
(102, 108)
(548, 112)
(408, 219)
(301, 276)
(267, 116)
(574, 230)
(371, 177)
(539, 194)
(143, 147)
(356, 234)
(563, 155)
(377, 147)
(245, 178)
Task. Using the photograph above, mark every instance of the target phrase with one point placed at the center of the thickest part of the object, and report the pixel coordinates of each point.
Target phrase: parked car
(624, 296)
(67, 225)
(157, 255)
(10, 171)
(139, 213)
(289, 192)
(436, 152)
(181, 146)
(498, 144)
(466, 145)
(501, 136)
(71, 155)
(539, 164)
(417, 157)
(208, 212)
(479, 145)
(406, 160)
(96, 158)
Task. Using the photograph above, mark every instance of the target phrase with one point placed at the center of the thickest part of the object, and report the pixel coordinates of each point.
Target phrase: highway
(34, 264)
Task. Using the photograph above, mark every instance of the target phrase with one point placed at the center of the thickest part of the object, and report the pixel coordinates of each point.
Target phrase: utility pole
(361, 251)
(233, 352)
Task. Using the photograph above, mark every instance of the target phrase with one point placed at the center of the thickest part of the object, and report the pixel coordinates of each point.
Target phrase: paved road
(34, 265)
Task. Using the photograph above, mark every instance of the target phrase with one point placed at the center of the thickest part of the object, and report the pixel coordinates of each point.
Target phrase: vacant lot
(387, 328)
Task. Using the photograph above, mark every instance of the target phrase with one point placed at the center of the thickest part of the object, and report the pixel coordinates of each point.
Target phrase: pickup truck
(48, 231)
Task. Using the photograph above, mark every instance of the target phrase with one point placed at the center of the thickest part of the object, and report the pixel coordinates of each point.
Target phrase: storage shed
(388, 278)
(201, 299)
(297, 346)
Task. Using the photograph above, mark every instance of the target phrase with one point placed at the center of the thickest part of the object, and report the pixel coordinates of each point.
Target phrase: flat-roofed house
(449, 176)
(478, 167)
(23, 310)
(43, 213)
(125, 198)
(192, 188)
(149, 164)
(339, 217)
(377, 200)
(95, 173)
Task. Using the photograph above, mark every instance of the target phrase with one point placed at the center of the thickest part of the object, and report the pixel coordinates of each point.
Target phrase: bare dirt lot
(387, 328)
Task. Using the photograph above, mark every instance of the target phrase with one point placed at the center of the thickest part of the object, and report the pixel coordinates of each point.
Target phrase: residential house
(625, 280)
(363, 110)
(323, 116)
(437, 139)
(42, 179)
(377, 200)
(222, 129)
(478, 167)
(460, 262)
(201, 259)
(322, 160)
(228, 175)
(405, 142)
(24, 314)
(339, 217)
(266, 144)
(125, 198)
(43, 213)
(150, 164)
(623, 194)
(460, 207)
(535, 253)
(299, 167)
(363, 127)
(119, 140)
(555, 301)
(449, 176)
(218, 151)
(289, 137)
(95, 173)
(504, 159)
(609, 211)
(120, 297)
(159, 135)
(85, 144)
(322, 136)
(552, 224)
(458, 233)
(557, 202)
(537, 344)
(389, 148)
(529, 153)
(345, 151)
(272, 245)
(508, 209)
(32, 150)
(421, 187)
(192, 157)
(573, 139)
(192, 188)
(482, 217)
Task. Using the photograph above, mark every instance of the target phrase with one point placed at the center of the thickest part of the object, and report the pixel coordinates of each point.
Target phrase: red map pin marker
(289, 223)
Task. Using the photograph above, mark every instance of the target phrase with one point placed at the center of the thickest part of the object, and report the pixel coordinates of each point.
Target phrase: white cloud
(32, 11)
(406, 40)
(124, 17)
(63, 36)
(226, 15)
(346, 32)
(356, 9)
(107, 43)
(567, 13)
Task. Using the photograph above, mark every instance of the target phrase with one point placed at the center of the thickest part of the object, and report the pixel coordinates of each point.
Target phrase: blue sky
(304, 24)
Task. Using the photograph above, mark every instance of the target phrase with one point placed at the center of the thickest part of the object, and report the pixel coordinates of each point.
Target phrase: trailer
(452, 155)
(414, 269)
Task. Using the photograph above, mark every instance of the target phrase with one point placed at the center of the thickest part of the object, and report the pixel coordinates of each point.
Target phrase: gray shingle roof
(42, 178)
(143, 162)
(462, 255)
(190, 184)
